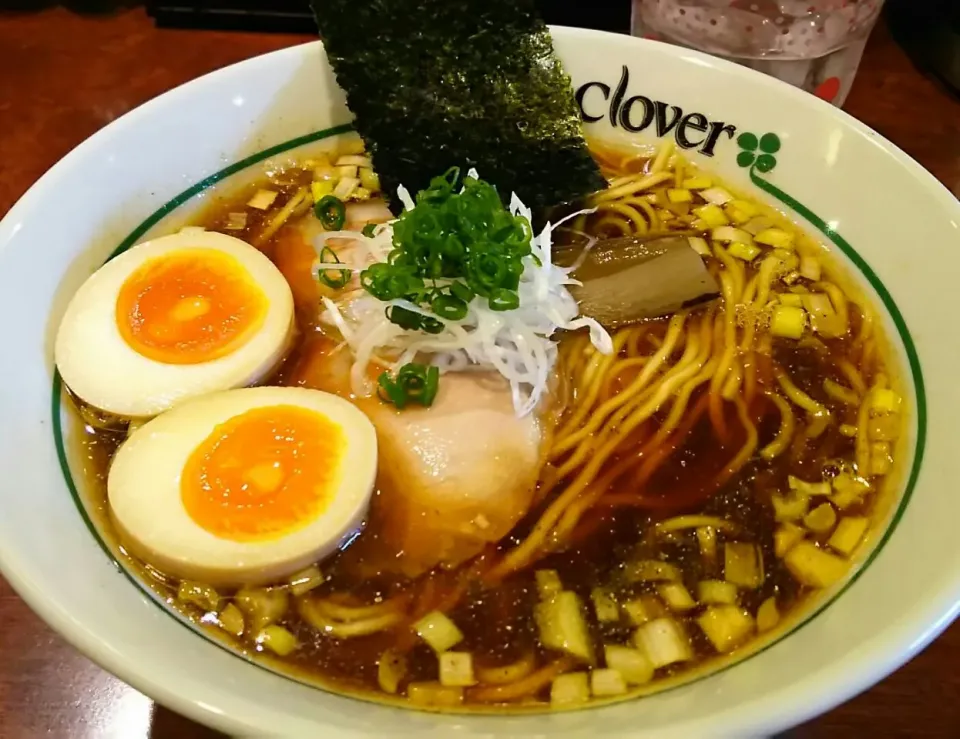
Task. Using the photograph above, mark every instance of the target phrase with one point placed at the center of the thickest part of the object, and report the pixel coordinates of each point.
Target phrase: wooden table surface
(63, 76)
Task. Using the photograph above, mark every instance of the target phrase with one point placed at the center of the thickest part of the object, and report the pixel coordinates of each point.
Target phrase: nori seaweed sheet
(468, 83)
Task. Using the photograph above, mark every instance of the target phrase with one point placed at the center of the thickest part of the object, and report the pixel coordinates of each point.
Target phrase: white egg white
(144, 493)
(98, 365)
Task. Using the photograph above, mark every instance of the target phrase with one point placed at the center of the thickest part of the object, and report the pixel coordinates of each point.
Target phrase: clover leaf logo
(768, 144)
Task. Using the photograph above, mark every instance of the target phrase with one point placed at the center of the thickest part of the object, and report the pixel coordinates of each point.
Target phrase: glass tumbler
(813, 44)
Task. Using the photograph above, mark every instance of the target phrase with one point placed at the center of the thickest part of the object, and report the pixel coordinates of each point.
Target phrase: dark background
(928, 30)
(293, 16)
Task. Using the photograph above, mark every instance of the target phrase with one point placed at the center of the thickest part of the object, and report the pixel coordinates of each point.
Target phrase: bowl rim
(901, 640)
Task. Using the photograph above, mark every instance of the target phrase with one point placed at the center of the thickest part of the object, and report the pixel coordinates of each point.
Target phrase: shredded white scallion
(519, 344)
(405, 198)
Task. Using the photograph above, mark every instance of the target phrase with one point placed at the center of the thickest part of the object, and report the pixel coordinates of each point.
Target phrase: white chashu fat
(452, 478)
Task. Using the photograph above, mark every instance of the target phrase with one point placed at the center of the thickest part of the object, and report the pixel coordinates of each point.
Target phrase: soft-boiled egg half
(244, 487)
(171, 319)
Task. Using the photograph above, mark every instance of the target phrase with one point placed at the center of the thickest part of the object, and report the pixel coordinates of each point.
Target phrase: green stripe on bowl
(913, 358)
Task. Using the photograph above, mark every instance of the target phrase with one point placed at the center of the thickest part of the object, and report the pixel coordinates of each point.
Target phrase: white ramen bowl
(146, 172)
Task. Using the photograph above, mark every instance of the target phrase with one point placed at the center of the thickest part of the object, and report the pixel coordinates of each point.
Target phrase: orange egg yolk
(262, 474)
(189, 306)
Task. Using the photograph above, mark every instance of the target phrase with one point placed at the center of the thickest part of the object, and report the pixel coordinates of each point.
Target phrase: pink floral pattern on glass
(814, 44)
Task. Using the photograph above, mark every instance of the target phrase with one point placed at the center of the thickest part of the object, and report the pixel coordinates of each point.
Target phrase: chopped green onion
(368, 230)
(449, 307)
(431, 326)
(336, 282)
(462, 290)
(467, 237)
(390, 282)
(331, 212)
(419, 382)
(504, 300)
(414, 383)
(390, 392)
(430, 387)
(405, 319)
(486, 273)
(332, 277)
(373, 279)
